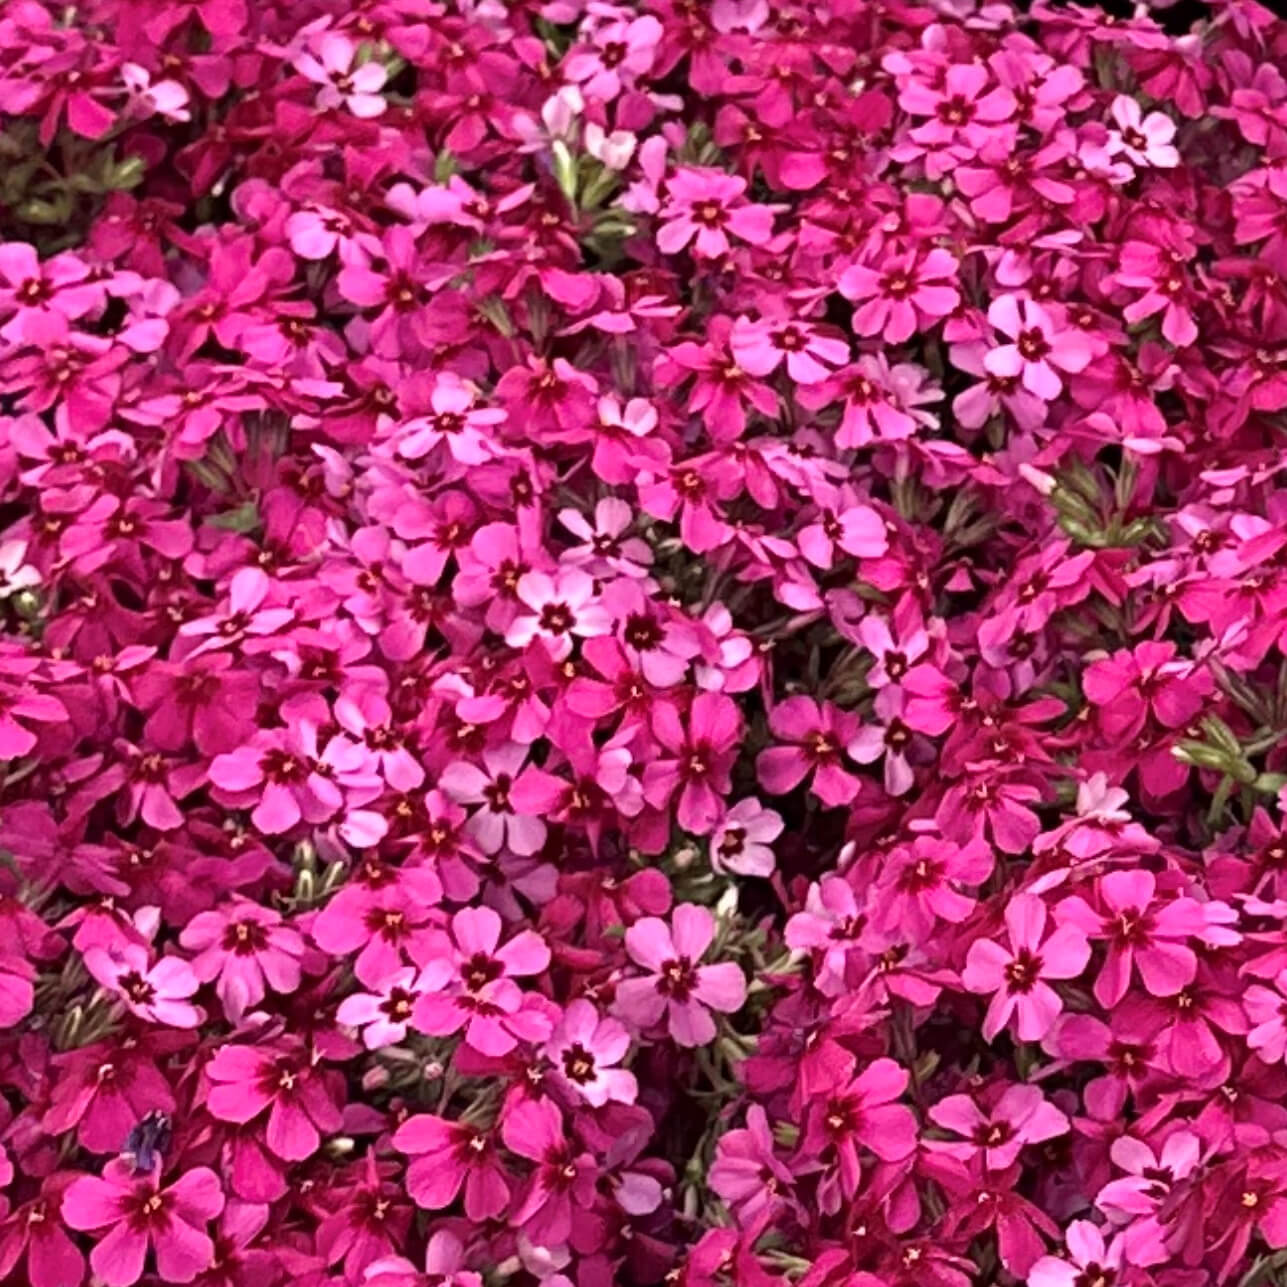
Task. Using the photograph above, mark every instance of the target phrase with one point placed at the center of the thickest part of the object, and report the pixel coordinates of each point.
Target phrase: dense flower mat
(642, 643)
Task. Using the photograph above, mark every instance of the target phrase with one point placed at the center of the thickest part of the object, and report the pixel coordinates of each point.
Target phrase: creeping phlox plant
(642, 643)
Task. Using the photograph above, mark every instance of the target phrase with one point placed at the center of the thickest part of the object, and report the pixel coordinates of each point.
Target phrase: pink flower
(742, 840)
(1092, 1259)
(583, 1048)
(248, 1081)
(709, 205)
(1143, 140)
(246, 949)
(331, 66)
(157, 992)
(746, 1172)
(1021, 1116)
(496, 824)
(1016, 976)
(1150, 1173)
(959, 114)
(817, 735)
(1141, 933)
(40, 300)
(534, 1129)
(244, 616)
(700, 757)
(833, 923)
(904, 294)
(448, 1156)
(810, 350)
(677, 987)
(1039, 350)
(472, 977)
(620, 52)
(284, 776)
(558, 610)
(134, 1214)
(1267, 1011)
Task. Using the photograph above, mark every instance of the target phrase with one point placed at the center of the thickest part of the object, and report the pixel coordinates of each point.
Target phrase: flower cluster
(642, 643)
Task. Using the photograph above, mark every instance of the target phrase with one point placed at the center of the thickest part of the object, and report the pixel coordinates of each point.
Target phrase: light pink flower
(385, 1014)
(620, 52)
(583, 1048)
(155, 991)
(330, 65)
(1143, 140)
(1039, 350)
(677, 987)
(558, 611)
(742, 840)
(1093, 1261)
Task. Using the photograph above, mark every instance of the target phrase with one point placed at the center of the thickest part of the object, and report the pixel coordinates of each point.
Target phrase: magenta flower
(248, 1081)
(155, 991)
(583, 1048)
(1150, 680)
(134, 1214)
(562, 1177)
(244, 949)
(678, 987)
(700, 757)
(449, 1156)
(708, 205)
(17, 989)
(817, 735)
(35, 1230)
(1039, 350)
(851, 1112)
(1016, 975)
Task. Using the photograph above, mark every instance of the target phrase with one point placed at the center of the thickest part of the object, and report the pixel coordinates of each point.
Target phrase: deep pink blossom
(133, 1214)
(1016, 975)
